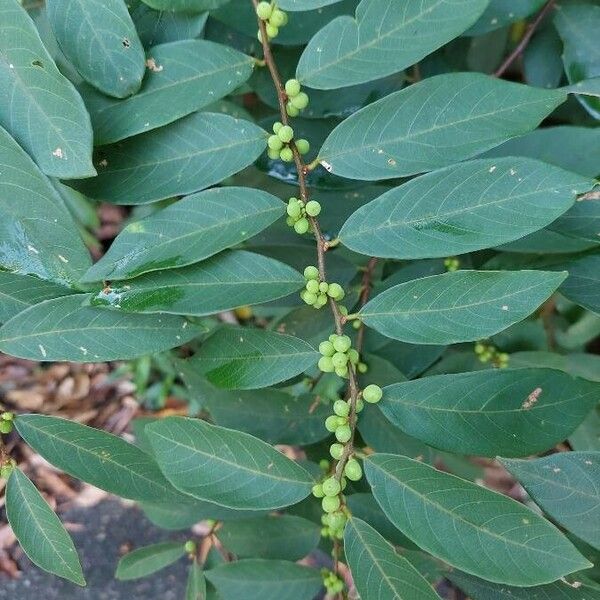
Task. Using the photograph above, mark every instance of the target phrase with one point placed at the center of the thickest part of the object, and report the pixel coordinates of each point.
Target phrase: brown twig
(525, 39)
(365, 292)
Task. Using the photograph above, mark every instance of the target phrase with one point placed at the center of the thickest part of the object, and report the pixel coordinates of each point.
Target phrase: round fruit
(362, 367)
(341, 408)
(274, 142)
(278, 18)
(311, 272)
(264, 10)
(291, 110)
(286, 134)
(337, 520)
(286, 154)
(339, 359)
(272, 30)
(294, 209)
(300, 101)
(372, 394)
(330, 503)
(7, 426)
(359, 405)
(336, 450)
(317, 490)
(277, 126)
(326, 365)
(323, 287)
(353, 470)
(301, 226)
(342, 371)
(190, 547)
(335, 291)
(342, 343)
(272, 154)
(292, 87)
(324, 464)
(353, 356)
(9, 416)
(313, 208)
(312, 285)
(307, 296)
(331, 487)
(303, 146)
(343, 434)
(326, 348)
(321, 300)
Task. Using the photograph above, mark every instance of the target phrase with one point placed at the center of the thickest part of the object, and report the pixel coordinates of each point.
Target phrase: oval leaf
(44, 114)
(181, 78)
(69, 329)
(97, 457)
(225, 466)
(583, 284)
(39, 236)
(377, 571)
(223, 282)
(511, 412)
(148, 560)
(256, 579)
(458, 307)
(195, 588)
(494, 537)
(187, 231)
(463, 208)
(99, 39)
(434, 123)
(565, 486)
(191, 154)
(382, 40)
(39, 531)
(240, 358)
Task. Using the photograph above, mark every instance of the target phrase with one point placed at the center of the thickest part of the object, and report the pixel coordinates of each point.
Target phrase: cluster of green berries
(7, 468)
(274, 18)
(316, 293)
(337, 354)
(489, 353)
(333, 584)
(452, 263)
(298, 213)
(6, 422)
(297, 100)
(278, 144)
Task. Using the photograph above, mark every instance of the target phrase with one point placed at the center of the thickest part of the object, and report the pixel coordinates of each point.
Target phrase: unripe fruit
(323, 287)
(292, 87)
(272, 154)
(6, 426)
(321, 300)
(313, 208)
(331, 423)
(324, 464)
(372, 394)
(336, 450)
(341, 408)
(277, 126)
(335, 291)
(291, 110)
(264, 10)
(326, 365)
(359, 405)
(272, 30)
(5, 471)
(353, 470)
(190, 547)
(286, 154)
(341, 371)
(356, 324)
(286, 134)
(342, 343)
(353, 356)
(303, 146)
(337, 520)
(362, 367)
(312, 286)
(317, 490)
(311, 272)
(294, 209)
(330, 503)
(301, 226)
(274, 142)
(343, 434)
(290, 221)
(341, 420)
(300, 101)
(9, 416)
(308, 297)
(278, 18)
(326, 348)
(339, 359)
(331, 487)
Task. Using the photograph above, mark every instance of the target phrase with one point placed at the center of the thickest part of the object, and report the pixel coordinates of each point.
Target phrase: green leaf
(434, 123)
(578, 28)
(226, 467)
(257, 579)
(191, 6)
(39, 531)
(97, 457)
(228, 280)
(39, 236)
(542, 65)
(284, 537)
(196, 583)
(181, 78)
(502, 12)
(583, 284)
(382, 40)
(377, 571)
(69, 328)
(510, 412)
(565, 486)
(492, 536)
(149, 559)
(463, 208)
(478, 589)
(42, 110)
(99, 39)
(191, 154)
(187, 231)
(300, 5)
(458, 307)
(241, 358)
(587, 435)
(18, 292)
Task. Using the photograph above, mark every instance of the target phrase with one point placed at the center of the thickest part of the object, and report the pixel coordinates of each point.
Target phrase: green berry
(317, 490)
(331, 487)
(312, 285)
(326, 365)
(331, 423)
(372, 394)
(332, 337)
(342, 371)
(326, 348)
(330, 503)
(353, 470)
(341, 420)
(353, 356)
(272, 30)
(301, 226)
(323, 287)
(190, 547)
(341, 408)
(307, 296)
(5, 471)
(313, 208)
(286, 154)
(290, 221)
(356, 324)
(324, 464)
(291, 110)
(342, 343)
(303, 146)
(479, 348)
(277, 126)
(272, 154)
(337, 520)
(359, 405)
(274, 142)
(294, 209)
(300, 101)
(336, 450)
(362, 367)
(311, 272)
(343, 433)
(292, 87)
(286, 134)
(336, 291)
(9, 416)
(264, 10)
(339, 359)
(278, 18)
(7, 426)
(321, 300)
